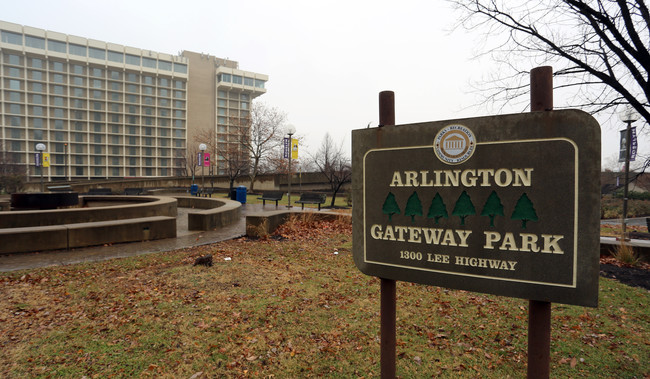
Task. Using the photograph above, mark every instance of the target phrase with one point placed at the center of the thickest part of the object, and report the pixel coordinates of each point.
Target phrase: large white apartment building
(105, 110)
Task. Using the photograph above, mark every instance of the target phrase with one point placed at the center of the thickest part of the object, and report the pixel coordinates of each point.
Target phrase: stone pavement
(185, 238)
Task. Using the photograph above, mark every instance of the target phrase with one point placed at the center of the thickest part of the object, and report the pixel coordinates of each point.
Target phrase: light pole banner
(286, 145)
(633, 145)
(294, 148)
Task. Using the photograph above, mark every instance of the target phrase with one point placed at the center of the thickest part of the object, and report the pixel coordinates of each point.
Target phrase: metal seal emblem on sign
(454, 144)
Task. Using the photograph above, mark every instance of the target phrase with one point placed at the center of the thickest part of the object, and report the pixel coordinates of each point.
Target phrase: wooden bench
(271, 196)
(100, 191)
(133, 191)
(205, 192)
(312, 198)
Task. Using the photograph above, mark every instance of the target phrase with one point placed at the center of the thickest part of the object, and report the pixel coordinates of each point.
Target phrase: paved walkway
(185, 238)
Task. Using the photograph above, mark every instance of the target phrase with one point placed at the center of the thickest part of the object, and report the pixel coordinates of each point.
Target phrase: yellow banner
(46, 159)
(294, 148)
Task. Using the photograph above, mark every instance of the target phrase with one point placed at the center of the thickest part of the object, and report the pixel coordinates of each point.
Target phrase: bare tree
(236, 161)
(191, 158)
(332, 162)
(599, 49)
(12, 174)
(260, 134)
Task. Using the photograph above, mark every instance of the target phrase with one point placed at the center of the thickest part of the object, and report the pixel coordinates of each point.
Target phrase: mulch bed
(632, 276)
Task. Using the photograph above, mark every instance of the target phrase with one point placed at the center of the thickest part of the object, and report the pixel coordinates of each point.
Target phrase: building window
(15, 109)
(35, 42)
(57, 46)
(15, 72)
(13, 38)
(37, 111)
(180, 68)
(96, 53)
(36, 63)
(37, 99)
(58, 66)
(148, 62)
(133, 59)
(77, 50)
(15, 84)
(15, 121)
(114, 56)
(167, 66)
(14, 96)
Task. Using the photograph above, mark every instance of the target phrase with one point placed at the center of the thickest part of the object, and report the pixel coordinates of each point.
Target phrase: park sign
(507, 205)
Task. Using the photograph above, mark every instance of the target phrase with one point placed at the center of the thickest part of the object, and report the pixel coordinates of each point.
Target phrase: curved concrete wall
(216, 213)
(128, 207)
(133, 218)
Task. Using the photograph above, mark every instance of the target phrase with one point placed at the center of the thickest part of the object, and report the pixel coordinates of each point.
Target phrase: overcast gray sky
(326, 61)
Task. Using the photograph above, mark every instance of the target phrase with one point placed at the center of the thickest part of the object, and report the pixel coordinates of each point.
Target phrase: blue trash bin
(241, 194)
(194, 189)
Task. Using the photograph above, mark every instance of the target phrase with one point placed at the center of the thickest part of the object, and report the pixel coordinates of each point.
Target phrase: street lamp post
(628, 116)
(291, 130)
(202, 147)
(41, 147)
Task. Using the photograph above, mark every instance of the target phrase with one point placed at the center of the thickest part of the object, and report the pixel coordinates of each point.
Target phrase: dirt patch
(631, 276)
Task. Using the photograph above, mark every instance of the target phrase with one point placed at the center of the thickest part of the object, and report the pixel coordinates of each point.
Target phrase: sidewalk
(185, 238)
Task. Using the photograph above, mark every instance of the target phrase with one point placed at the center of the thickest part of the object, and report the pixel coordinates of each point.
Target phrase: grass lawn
(291, 307)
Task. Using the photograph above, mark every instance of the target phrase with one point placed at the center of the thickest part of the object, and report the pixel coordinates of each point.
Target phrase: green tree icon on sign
(390, 206)
(463, 207)
(524, 211)
(492, 207)
(413, 206)
(437, 209)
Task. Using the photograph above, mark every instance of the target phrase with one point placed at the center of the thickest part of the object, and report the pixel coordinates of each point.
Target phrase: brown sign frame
(540, 155)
